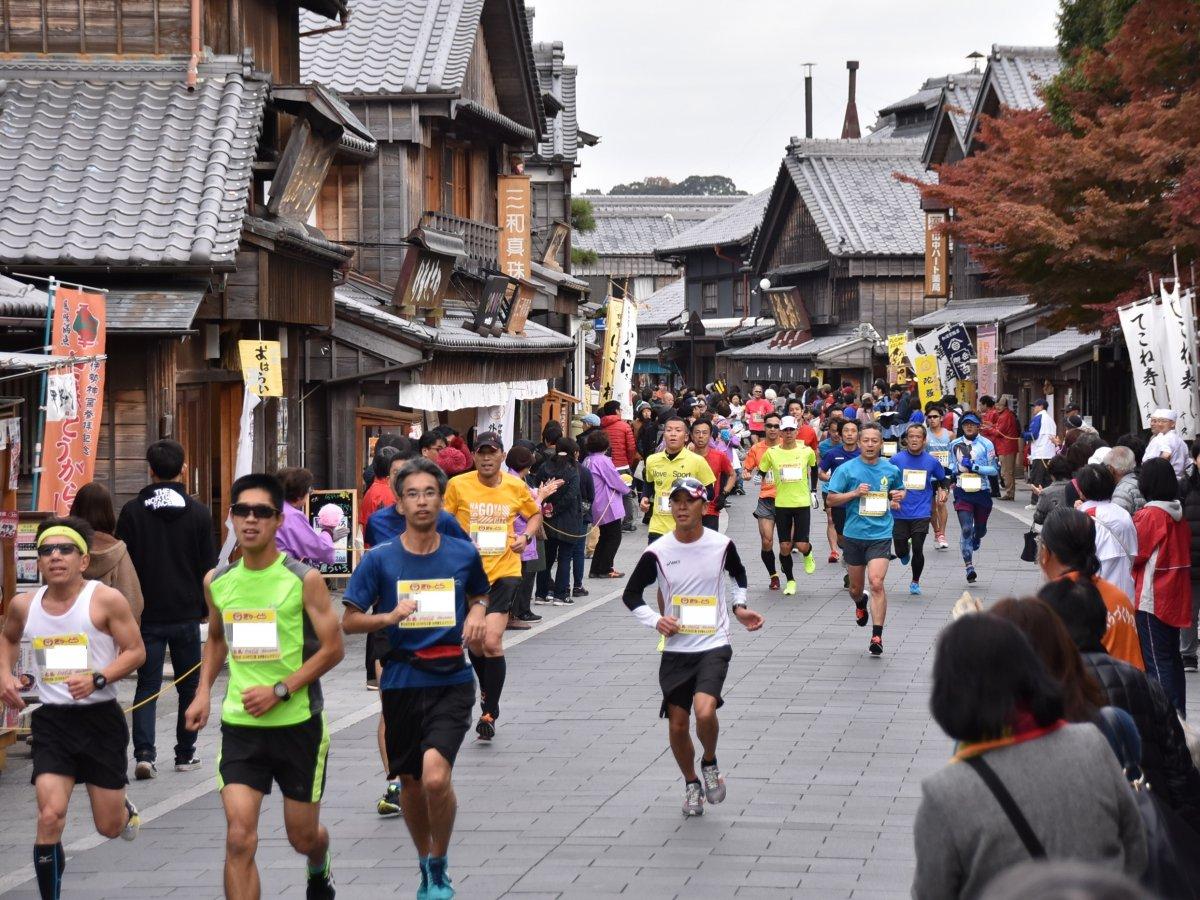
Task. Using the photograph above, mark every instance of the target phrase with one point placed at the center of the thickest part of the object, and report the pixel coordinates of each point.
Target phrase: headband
(64, 531)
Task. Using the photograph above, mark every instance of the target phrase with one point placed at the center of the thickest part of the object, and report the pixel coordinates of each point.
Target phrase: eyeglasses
(769, 425)
(47, 550)
(258, 510)
(934, 416)
(427, 494)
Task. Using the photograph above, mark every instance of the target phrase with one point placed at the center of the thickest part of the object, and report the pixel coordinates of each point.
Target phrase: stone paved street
(824, 749)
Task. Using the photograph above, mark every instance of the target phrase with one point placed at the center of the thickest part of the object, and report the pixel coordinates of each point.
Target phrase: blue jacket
(978, 456)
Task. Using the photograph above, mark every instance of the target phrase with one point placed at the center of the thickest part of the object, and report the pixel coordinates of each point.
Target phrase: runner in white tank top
(83, 640)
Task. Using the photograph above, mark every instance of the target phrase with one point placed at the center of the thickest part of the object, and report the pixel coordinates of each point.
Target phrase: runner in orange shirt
(765, 511)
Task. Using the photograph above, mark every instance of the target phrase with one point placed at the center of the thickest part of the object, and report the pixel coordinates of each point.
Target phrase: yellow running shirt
(487, 515)
(790, 471)
(661, 472)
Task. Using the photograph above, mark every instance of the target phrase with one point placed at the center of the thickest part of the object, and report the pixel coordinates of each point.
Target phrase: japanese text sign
(262, 369)
(514, 197)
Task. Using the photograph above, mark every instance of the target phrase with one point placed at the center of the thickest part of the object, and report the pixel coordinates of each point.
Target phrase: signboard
(927, 379)
(325, 511)
(956, 345)
(500, 420)
(787, 310)
(496, 291)
(515, 201)
(626, 352)
(612, 347)
(262, 368)
(897, 370)
(558, 237)
(557, 407)
(424, 281)
(964, 392)
(937, 256)
(1179, 363)
(26, 547)
(518, 310)
(69, 444)
(986, 339)
(1141, 325)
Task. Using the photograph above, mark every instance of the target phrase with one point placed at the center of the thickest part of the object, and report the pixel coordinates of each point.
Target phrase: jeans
(183, 640)
(577, 558)
(562, 552)
(972, 521)
(606, 548)
(1160, 651)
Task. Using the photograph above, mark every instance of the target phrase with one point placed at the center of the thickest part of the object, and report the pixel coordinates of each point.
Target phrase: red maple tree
(1074, 204)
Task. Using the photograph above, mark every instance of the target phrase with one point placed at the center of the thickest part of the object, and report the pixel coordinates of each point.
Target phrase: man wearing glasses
(757, 409)
(84, 641)
(938, 446)
(271, 617)
(765, 511)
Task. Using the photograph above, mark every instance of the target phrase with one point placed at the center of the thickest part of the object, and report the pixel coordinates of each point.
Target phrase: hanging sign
(514, 198)
(937, 255)
(956, 346)
(262, 368)
(987, 340)
(612, 348)
(329, 510)
(897, 370)
(499, 420)
(1179, 362)
(927, 379)
(1144, 340)
(626, 353)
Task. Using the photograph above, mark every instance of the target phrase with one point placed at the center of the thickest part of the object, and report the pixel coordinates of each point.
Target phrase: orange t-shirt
(1121, 639)
(766, 490)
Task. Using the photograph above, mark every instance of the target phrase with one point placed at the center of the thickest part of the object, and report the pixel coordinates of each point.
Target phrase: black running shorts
(683, 675)
(85, 741)
(291, 756)
(420, 719)
(859, 553)
(839, 519)
(503, 594)
(792, 524)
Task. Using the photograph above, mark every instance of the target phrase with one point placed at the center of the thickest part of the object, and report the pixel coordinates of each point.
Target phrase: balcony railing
(482, 240)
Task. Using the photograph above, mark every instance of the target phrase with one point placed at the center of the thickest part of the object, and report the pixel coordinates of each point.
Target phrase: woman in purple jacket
(608, 507)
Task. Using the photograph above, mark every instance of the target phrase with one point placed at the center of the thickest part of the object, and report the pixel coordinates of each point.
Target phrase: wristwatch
(741, 604)
(99, 682)
(281, 691)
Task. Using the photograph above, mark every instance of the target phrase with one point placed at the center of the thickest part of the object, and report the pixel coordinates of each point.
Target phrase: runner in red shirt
(757, 408)
(718, 461)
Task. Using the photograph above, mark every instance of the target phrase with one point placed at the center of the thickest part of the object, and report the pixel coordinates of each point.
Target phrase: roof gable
(1012, 79)
(948, 136)
(558, 81)
(735, 224)
(663, 305)
(635, 224)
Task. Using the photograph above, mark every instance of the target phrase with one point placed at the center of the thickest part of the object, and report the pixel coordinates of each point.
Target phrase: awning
(469, 396)
(165, 310)
(653, 367)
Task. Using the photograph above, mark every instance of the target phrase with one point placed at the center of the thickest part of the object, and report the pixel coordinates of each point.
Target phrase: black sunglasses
(48, 550)
(258, 510)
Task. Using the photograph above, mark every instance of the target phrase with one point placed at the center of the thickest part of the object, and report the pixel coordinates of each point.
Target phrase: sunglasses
(258, 510)
(47, 550)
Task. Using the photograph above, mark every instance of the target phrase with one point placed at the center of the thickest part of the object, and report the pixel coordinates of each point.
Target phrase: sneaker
(833, 556)
(579, 592)
(320, 885)
(486, 727)
(1031, 507)
(693, 800)
(144, 770)
(846, 581)
(774, 583)
(187, 765)
(714, 783)
(388, 806)
(133, 824)
(790, 588)
(439, 880)
(423, 888)
(562, 601)
(915, 589)
(515, 624)
(975, 544)
(861, 616)
(810, 564)
(940, 542)
(1189, 664)
(542, 601)
(876, 645)
(529, 617)
(372, 684)
(971, 576)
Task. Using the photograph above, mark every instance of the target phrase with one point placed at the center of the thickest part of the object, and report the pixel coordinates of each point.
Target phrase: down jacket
(1128, 495)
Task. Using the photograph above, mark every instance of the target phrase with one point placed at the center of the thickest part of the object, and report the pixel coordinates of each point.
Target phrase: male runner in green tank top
(273, 619)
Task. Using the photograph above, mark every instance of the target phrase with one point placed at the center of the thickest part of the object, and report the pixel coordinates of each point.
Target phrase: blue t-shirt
(918, 504)
(385, 523)
(373, 587)
(830, 461)
(882, 476)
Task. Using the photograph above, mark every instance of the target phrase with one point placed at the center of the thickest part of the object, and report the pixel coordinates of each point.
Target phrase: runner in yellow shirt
(790, 465)
(664, 468)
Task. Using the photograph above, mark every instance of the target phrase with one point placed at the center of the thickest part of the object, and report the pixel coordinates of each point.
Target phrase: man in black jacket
(170, 541)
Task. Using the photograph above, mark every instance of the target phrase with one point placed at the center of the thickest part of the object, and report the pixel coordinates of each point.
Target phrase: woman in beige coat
(110, 563)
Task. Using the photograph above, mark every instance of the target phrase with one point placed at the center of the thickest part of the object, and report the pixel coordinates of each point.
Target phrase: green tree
(583, 215)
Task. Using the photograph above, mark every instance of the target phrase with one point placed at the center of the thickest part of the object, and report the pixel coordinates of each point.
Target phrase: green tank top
(269, 637)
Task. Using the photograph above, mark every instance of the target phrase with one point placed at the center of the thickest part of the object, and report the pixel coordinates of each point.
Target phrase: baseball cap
(488, 439)
(590, 419)
(970, 417)
(1041, 401)
(691, 486)
(788, 422)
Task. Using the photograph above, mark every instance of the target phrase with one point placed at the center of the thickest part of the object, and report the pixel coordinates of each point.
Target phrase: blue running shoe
(914, 589)
(904, 559)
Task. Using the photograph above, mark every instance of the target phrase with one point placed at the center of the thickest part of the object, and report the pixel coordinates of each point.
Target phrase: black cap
(488, 439)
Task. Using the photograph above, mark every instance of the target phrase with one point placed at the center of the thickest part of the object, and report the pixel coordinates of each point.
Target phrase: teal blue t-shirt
(882, 476)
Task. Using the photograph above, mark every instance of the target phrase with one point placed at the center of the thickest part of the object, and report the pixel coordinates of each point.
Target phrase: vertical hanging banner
(937, 255)
(626, 351)
(956, 346)
(986, 341)
(1144, 341)
(243, 464)
(1179, 363)
(500, 420)
(515, 199)
(927, 379)
(69, 443)
(897, 370)
(262, 368)
(612, 347)
(928, 346)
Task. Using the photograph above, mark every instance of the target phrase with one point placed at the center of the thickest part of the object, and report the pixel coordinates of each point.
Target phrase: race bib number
(664, 503)
(970, 482)
(253, 634)
(697, 615)
(59, 656)
(942, 456)
(914, 479)
(490, 540)
(875, 503)
(756, 418)
(789, 474)
(435, 602)
(889, 448)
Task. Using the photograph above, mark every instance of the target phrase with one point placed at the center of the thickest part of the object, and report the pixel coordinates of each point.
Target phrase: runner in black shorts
(430, 592)
(764, 512)
(830, 462)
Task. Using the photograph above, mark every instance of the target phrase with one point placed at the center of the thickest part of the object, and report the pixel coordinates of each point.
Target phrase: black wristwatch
(281, 691)
(99, 682)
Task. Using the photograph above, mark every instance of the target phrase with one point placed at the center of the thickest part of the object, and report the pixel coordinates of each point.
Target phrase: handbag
(1019, 823)
(1029, 551)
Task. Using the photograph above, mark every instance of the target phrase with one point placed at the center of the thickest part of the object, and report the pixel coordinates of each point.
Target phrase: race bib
(970, 482)
(756, 418)
(664, 503)
(59, 656)
(889, 448)
(490, 540)
(914, 479)
(789, 474)
(942, 456)
(252, 634)
(435, 602)
(697, 615)
(875, 503)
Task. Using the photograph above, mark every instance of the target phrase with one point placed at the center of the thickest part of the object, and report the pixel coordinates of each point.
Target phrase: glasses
(934, 416)
(427, 494)
(47, 550)
(258, 510)
(769, 425)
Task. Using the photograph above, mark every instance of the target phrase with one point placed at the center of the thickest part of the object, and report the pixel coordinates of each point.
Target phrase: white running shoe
(693, 800)
(714, 783)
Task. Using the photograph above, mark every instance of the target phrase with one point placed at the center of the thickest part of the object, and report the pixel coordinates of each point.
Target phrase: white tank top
(66, 645)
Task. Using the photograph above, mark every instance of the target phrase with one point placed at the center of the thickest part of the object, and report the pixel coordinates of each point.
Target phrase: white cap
(788, 422)
(1100, 455)
(770, 394)
(1168, 414)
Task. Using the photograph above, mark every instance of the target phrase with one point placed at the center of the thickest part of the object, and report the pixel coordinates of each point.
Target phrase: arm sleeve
(1035, 428)
(630, 445)
(939, 874)
(643, 576)
(587, 487)
(988, 465)
(737, 571)
(207, 548)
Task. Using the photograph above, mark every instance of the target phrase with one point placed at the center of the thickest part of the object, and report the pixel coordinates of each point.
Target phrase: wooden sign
(557, 407)
(897, 370)
(322, 509)
(787, 309)
(515, 200)
(424, 281)
(518, 310)
(262, 368)
(937, 256)
(558, 237)
(497, 291)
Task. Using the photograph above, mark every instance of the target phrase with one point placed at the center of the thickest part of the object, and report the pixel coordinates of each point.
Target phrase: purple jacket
(608, 506)
(519, 523)
(297, 539)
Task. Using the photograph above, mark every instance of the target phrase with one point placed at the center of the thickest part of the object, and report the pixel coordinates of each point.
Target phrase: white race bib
(490, 540)
(875, 503)
(970, 482)
(664, 503)
(252, 634)
(59, 656)
(942, 456)
(435, 602)
(697, 615)
(914, 479)
(789, 474)
(889, 448)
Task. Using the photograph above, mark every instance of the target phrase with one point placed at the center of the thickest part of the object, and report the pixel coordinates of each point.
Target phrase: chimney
(808, 67)
(850, 125)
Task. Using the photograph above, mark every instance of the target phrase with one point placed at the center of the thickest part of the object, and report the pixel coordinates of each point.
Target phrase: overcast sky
(705, 87)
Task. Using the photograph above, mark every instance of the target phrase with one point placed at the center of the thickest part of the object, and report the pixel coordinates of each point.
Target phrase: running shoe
(940, 542)
(372, 684)
(876, 645)
(975, 543)
(562, 601)
(915, 589)
(714, 783)
(860, 612)
(904, 560)
(833, 556)
(774, 583)
(693, 800)
(486, 727)
(543, 601)
(133, 824)
(423, 888)
(529, 617)
(579, 592)
(187, 765)
(790, 588)
(810, 564)
(439, 880)
(971, 576)
(320, 884)
(516, 624)
(1190, 664)
(846, 581)
(145, 770)
(388, 806)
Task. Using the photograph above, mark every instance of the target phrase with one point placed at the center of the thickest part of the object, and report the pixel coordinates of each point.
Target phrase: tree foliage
(583, 215)
(704, 185)
(1076, 213)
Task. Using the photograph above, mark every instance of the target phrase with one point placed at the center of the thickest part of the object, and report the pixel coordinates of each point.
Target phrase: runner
(830, 463)
(937, 443)
(272, 617)
(486, 503)
(790, 466)
(764, 512)
(833, 438)
(426, 685)
(689, 567)
(866, 488)
(924, 482)
(722, 469)
(973, 461)
(84, 641)
(757, 409)
(673, 462)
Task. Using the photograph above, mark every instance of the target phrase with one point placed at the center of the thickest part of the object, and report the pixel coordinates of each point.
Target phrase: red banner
(70, 439)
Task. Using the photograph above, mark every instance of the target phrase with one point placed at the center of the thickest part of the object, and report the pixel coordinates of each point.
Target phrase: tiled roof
(975, 312)
(663, 305)
(145, 309)
(636, 224)
(118, 164)
(808, 350)
(717, 330)
(562, 129)
(958, 99)
(1017, 73)
(850, 189)
(1057, 346)
(624, 266)
(733, 225)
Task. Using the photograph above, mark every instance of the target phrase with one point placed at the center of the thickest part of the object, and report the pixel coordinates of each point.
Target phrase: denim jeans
(1188, 642)
(563, 553)
(183, 640)
(1160, 650)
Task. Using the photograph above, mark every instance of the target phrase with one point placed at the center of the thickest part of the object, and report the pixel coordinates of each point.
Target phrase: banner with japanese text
(515, 199)
(956, 346)
(927, 379)
(1144, 340)
(500, 420)
(626, 352)
(986, 340)
(262, 367)
(897, 370)
(612, 347)
(1179, 361)
(70, 439)
(937, 255)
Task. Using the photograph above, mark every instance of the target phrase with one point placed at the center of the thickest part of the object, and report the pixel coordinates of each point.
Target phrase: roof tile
(733, 225)
(628, 225)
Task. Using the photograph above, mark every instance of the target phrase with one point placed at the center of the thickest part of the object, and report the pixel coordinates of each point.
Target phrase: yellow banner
(897, 370)
(262, 368)
(927, 379)
(964, 391)
(612, 347)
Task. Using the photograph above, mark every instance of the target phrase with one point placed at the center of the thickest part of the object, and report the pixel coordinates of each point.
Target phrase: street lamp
(765, 284)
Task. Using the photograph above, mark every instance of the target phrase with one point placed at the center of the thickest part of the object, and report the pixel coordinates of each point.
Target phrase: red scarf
(1024, 728)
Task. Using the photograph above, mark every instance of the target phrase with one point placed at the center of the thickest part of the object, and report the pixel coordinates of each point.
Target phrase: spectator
(108, 558)
(1166, 443)
(1054, 494)
(590, 423)
(379, 494)
(1064, 880)
(533, 559)
(1001, 428)
(624, 454)
(994, 697)
(170, 540)
(1191, 511)
(431, 443)
(609, 490)
(563, 521)
(1162, 589)
(295, 536)
(1116, 538)
(1122, 463)
(1042, 435)
(736, 409)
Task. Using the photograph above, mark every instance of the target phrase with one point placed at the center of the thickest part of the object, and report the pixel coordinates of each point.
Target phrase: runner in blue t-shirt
(429, 592)
(869, 488)
(924, 480)
(830, 461)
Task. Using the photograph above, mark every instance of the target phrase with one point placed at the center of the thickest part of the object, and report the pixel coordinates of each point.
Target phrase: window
(708, 297)
(739, 297)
